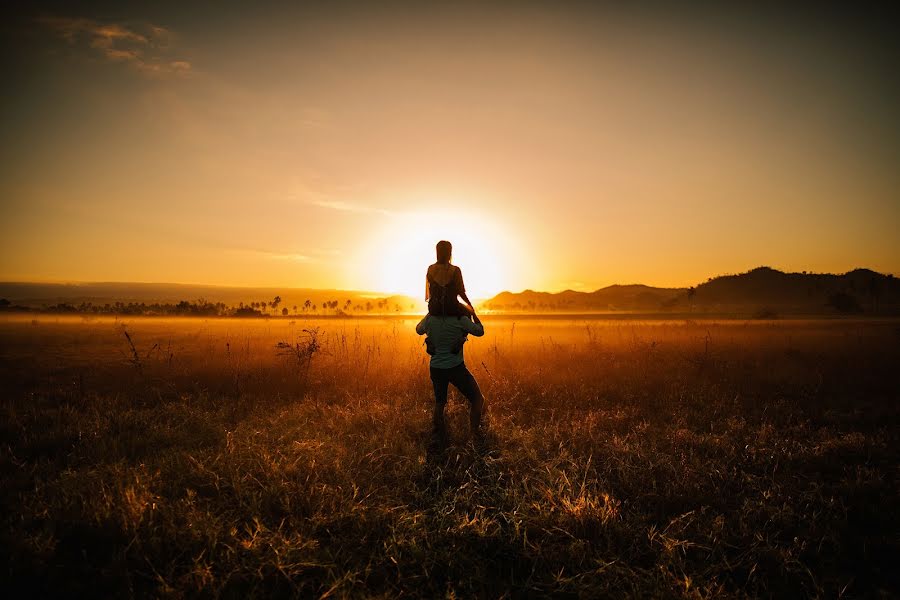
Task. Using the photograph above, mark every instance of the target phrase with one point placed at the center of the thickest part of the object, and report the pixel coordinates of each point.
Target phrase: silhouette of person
(444, 283)
(445, 337)
(446, 328)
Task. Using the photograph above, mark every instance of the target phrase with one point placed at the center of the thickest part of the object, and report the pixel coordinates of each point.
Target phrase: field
(624, 458)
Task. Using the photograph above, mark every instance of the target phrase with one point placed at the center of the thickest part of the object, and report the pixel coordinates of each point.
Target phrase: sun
(399, 254)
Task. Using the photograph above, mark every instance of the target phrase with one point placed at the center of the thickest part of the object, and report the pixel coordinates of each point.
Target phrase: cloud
(348, 207)
(288, 257)
(275, 255)
(312, 255)
(315, 192)
(146, 50)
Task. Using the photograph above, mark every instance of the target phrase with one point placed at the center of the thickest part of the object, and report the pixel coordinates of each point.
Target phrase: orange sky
(556, 148)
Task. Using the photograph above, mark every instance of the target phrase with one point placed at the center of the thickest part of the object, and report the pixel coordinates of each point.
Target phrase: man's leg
(465, 382)
(439, 380)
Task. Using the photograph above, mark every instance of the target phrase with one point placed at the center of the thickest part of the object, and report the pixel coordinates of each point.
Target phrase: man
(445, 336)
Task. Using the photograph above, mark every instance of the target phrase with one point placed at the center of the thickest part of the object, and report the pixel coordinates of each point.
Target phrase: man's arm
(420, 326)
(475, 328)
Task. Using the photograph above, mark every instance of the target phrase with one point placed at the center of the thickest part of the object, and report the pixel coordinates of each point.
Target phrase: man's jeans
(463, 380)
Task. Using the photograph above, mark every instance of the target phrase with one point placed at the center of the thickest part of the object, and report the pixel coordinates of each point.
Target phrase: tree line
(204, 308)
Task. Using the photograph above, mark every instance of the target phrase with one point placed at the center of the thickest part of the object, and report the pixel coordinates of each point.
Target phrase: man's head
(444, 250)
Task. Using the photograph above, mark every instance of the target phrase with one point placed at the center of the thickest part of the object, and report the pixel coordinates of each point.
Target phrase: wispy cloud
(312, 255)
(146, 49)
(348, 207)
(313, 191)
(289, 257)
(298, 257)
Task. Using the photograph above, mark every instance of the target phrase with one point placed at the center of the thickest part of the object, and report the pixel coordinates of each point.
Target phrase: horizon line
(389, 294)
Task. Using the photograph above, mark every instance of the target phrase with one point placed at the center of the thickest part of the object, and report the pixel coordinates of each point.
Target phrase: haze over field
(558, 146)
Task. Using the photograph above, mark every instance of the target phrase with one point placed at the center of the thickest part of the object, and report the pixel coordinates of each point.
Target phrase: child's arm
(467, 301)
(462, 289)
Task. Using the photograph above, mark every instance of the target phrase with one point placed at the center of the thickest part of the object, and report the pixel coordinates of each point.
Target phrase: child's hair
(444, 250)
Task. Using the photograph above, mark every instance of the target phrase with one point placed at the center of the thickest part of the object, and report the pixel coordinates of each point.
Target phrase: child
(443, 283)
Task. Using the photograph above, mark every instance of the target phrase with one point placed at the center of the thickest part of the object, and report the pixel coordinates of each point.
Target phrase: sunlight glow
(397, 257)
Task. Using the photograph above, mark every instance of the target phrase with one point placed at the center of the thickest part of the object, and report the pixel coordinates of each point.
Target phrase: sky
(557, 145)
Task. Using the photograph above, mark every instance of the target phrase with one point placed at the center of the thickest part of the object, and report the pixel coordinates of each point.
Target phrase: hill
(761, 291)
(612, 298)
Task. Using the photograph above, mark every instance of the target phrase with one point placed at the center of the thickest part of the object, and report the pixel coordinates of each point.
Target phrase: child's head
(444, 251)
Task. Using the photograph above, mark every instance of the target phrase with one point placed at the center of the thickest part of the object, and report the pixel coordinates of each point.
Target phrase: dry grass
(625, 459)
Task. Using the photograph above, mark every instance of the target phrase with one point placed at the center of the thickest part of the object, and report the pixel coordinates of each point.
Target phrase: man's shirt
(447, 334)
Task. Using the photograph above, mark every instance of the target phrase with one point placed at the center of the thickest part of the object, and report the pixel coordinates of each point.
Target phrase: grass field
(624, 459)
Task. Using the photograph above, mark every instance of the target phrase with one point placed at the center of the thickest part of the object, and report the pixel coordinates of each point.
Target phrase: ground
(624, 458)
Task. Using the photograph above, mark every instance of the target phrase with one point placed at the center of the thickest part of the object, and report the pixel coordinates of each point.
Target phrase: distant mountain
(39, 295)
(761, 291)
(612, 298)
